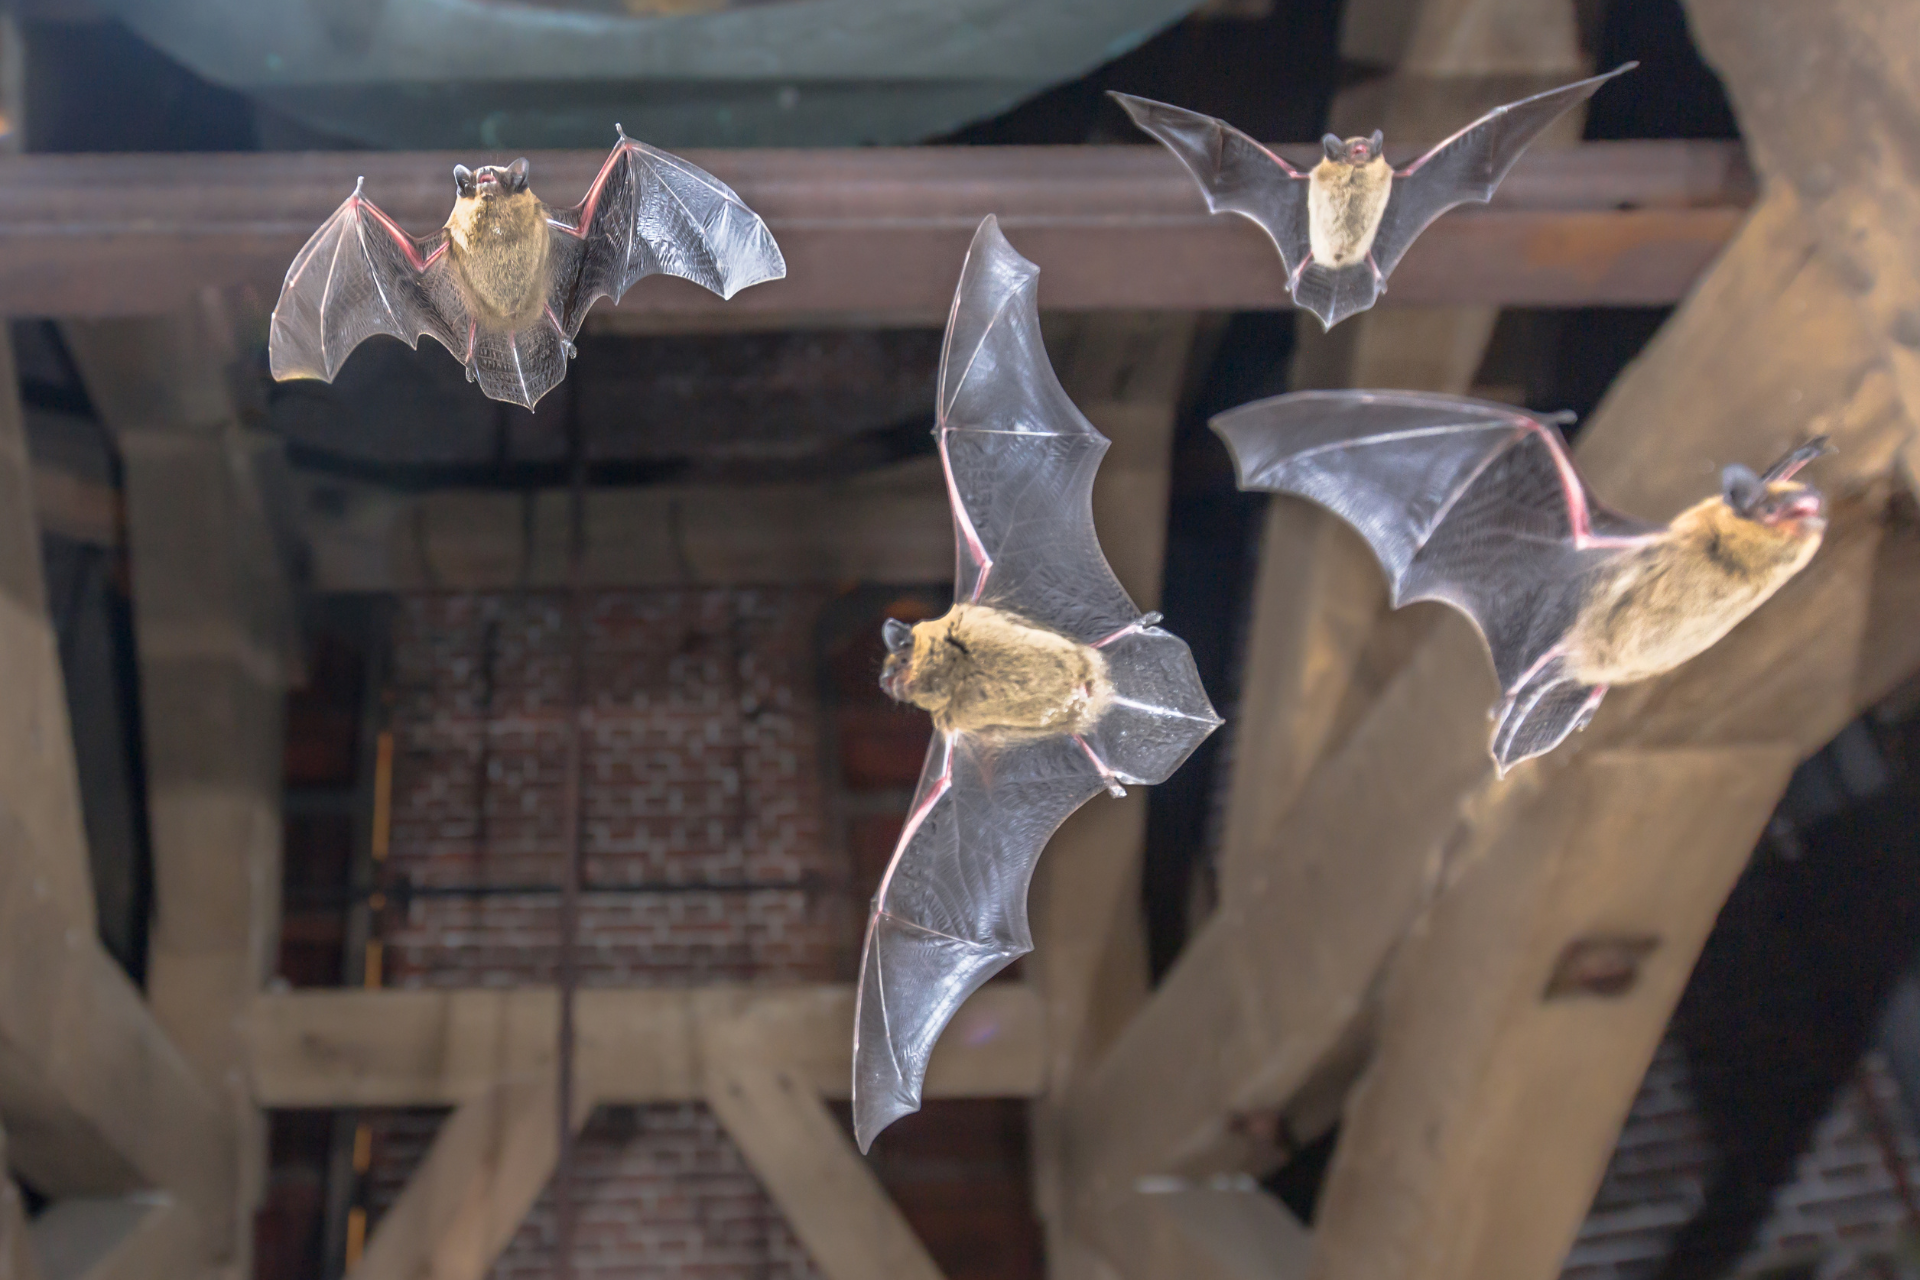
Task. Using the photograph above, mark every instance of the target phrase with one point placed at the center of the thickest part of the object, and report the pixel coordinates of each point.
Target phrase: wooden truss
(1392, 918)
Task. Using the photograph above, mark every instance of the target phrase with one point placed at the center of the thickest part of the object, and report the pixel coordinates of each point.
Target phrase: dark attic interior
(437, 837)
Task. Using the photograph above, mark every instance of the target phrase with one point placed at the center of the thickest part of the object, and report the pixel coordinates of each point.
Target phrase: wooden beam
(16, 1255)
(1126, 372)
(96, 1098)
(482, 1174)
(1233, 1231)
(1487, 1048)
(851, 1228)
(1283, 973)
(879, 230)
(885, 526)
(1322, 639)
(1826, 94)
(441, 1048)
(120, 1238)
(213, 625)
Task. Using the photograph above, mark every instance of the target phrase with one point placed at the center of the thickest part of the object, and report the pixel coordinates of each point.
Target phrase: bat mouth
(1357, 152)
(1798, 509)
(893, 680)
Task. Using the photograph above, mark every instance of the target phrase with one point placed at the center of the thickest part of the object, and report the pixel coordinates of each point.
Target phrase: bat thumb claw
(1115, 790)
(1149, 620)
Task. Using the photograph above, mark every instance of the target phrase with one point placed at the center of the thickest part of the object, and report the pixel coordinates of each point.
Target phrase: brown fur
(498, 248)
(1680, 595)
(986, 671)
(1344, 205)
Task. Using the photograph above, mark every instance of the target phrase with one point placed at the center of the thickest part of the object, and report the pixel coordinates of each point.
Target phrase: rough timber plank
(441, 1048)
(96, 1099)
(889, 526)
(1319, 595)
(16, 1257)
(483, 1172)
(1826, 93)
(877, 230)
(1507, 1073)
(1438, 1172)
(1272, 986)
(213, 629)
(136, 1237)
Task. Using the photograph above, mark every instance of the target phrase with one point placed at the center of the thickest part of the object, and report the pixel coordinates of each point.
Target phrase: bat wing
(951, 910)
(360, 275)
(651, 213)
(1235, 173)
(1464, 501)
(1470, 164)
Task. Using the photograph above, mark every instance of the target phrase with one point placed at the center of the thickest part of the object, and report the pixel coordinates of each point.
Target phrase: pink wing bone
(591, 205)
(940, 787)
(392, 228)
(1579, 517)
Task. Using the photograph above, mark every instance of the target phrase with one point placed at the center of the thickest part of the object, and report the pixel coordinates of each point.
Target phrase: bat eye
(897, 635)
(463, 179)
(517, 175)
(1741, 489)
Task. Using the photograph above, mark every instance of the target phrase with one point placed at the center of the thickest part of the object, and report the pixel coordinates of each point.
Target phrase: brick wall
(1841, 1200)
(702, 766)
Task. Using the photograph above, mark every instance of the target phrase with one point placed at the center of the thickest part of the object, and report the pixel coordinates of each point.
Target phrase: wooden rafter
(889, 526)
(213, 628)
(876, 231)
(1388, 820)
(482, 1174)
(95, 1097)
(441, 1048)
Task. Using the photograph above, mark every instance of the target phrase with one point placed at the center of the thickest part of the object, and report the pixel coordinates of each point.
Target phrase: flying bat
(1479, 505)
(1046, 685)
(506, 283)
(1342, 226)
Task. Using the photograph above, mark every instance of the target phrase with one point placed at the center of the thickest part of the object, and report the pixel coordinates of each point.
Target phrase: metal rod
(565, 1216)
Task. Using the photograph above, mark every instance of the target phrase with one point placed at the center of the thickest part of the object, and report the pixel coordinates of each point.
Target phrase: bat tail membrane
(518, 365)
(1334, 293)
(1539, 712)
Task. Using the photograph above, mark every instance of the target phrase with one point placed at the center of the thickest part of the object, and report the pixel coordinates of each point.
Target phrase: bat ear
(897, 635)
(1742, 489)
(517, 174)
(1787, 466)
(1374, 143)
(1332, 146)
(463, 179)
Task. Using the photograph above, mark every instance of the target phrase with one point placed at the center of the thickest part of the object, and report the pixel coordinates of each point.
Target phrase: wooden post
(1273, 986)
(16, 1258)
(1320, 626)
(482, 1174)
(212, 621)
(1125, 371)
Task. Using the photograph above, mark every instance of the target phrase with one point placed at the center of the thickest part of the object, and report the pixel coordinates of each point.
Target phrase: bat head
(490, 180)
(1353, 151)
(1774, 498)
(894, 675)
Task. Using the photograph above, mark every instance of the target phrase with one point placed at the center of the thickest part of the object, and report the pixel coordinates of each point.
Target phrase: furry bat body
(1479, 505)
(1343, 226)
(1046, 685)
(507, 282)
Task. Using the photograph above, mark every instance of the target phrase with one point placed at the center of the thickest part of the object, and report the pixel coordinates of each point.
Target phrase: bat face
(987, 671)
(490, 181)
(1353, 151)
